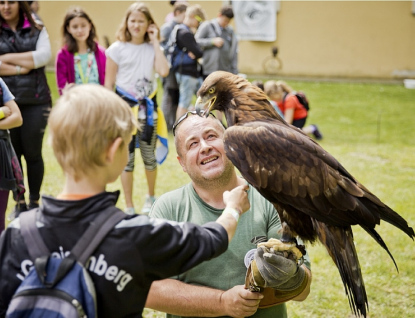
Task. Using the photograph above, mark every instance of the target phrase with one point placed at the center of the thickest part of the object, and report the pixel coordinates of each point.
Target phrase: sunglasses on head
(199, 19)
(193, 112)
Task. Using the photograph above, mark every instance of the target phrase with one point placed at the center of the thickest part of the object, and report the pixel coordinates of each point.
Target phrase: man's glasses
(193, 112)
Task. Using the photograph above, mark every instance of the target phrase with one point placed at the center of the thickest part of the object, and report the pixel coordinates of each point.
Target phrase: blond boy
(90, 128)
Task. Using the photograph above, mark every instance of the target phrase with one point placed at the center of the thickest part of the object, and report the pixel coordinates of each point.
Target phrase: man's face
(201, 152)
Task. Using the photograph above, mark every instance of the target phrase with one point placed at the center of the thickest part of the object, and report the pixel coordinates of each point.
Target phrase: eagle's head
(216, 91)
(235, 96)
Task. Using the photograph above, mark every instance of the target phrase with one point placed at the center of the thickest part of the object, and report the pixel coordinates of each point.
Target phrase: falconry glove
(272, 269)
(275, 272)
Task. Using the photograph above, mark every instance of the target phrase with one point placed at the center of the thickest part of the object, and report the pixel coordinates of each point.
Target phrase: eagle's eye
(211, 90)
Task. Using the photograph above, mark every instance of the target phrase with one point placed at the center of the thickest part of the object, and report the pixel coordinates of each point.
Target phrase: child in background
(10, 171)
(90, 128)
(260, 84)
(132, 62)
(82, 59)
(294, 112)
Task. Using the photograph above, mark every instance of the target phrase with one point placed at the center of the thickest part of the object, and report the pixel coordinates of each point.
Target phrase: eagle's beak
(200, 106)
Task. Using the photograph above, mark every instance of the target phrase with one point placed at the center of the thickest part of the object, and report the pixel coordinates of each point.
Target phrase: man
(216, 287)
(219, 43)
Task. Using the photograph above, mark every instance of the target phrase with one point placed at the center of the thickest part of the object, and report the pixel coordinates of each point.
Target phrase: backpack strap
(96, 232)
(31, 236)
(84, 247)
(214, 29)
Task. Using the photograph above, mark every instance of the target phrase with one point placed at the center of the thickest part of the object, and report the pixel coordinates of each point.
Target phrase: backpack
(56, 287)
(301, 98)
(176, 56)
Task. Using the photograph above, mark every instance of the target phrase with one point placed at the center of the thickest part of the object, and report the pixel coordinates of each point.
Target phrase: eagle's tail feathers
(380, 241)
(390, 216)
(386, 214)
(339, 244)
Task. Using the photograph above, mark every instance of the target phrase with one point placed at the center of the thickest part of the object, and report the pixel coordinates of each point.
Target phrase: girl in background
(82, 59)
(10, 171)
(24, 52)
(132, 62)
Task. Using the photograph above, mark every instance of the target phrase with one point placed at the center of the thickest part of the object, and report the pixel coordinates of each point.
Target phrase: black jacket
(186, 40)
(136, 252)
(28, 89)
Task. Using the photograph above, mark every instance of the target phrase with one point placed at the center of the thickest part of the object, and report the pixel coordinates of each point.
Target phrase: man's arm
(203, 36)
(178, 298)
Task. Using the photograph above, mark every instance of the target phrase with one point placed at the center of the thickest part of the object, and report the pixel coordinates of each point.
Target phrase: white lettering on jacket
(99, 266)
(112, 273)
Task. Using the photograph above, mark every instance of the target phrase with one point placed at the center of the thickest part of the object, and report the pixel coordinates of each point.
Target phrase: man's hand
(240, 302)
(271, 269)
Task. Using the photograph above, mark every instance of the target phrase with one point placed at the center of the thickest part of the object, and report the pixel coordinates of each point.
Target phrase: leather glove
(272, 269)
(276, 272)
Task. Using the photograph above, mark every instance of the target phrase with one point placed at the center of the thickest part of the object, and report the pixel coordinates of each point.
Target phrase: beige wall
(346, 38)
(358, 39)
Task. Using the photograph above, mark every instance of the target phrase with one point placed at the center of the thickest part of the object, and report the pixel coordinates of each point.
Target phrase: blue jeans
(188, 86)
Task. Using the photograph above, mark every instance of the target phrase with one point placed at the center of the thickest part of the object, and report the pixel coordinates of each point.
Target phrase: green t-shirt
(227, 270)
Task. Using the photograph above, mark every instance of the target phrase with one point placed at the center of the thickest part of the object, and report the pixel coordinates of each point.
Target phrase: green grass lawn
(370, 129)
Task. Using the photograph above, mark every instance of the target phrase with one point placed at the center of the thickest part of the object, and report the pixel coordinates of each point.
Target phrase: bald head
(192, 124)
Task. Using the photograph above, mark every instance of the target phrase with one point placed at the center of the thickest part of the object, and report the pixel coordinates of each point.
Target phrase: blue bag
(57, 287)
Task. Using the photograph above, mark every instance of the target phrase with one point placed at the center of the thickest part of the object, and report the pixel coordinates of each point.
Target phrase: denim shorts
(188, 86)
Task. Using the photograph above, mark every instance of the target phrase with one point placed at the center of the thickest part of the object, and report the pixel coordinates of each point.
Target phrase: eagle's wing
(298, 176)
(293, 171)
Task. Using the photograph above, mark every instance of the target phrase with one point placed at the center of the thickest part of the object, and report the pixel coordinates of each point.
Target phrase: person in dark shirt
(170, 88)
(185, 65)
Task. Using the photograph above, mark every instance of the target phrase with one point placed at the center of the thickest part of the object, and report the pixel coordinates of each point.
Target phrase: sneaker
(317, 133)
(148, 204)
(129, 211)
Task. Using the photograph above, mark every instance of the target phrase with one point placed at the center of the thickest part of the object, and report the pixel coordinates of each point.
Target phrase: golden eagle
(315, 196)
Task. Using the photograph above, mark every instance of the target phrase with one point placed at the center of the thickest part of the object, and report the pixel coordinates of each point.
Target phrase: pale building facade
(336, 39)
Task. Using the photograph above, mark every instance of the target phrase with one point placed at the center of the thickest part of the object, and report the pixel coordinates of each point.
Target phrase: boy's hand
(218, 42)
(237, 198)
(191, 55)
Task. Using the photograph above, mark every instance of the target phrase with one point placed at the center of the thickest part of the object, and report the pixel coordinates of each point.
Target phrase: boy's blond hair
(84, 122)
(196, 10)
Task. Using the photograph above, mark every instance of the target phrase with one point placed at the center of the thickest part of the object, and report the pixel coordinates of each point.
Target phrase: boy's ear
(112, 149)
